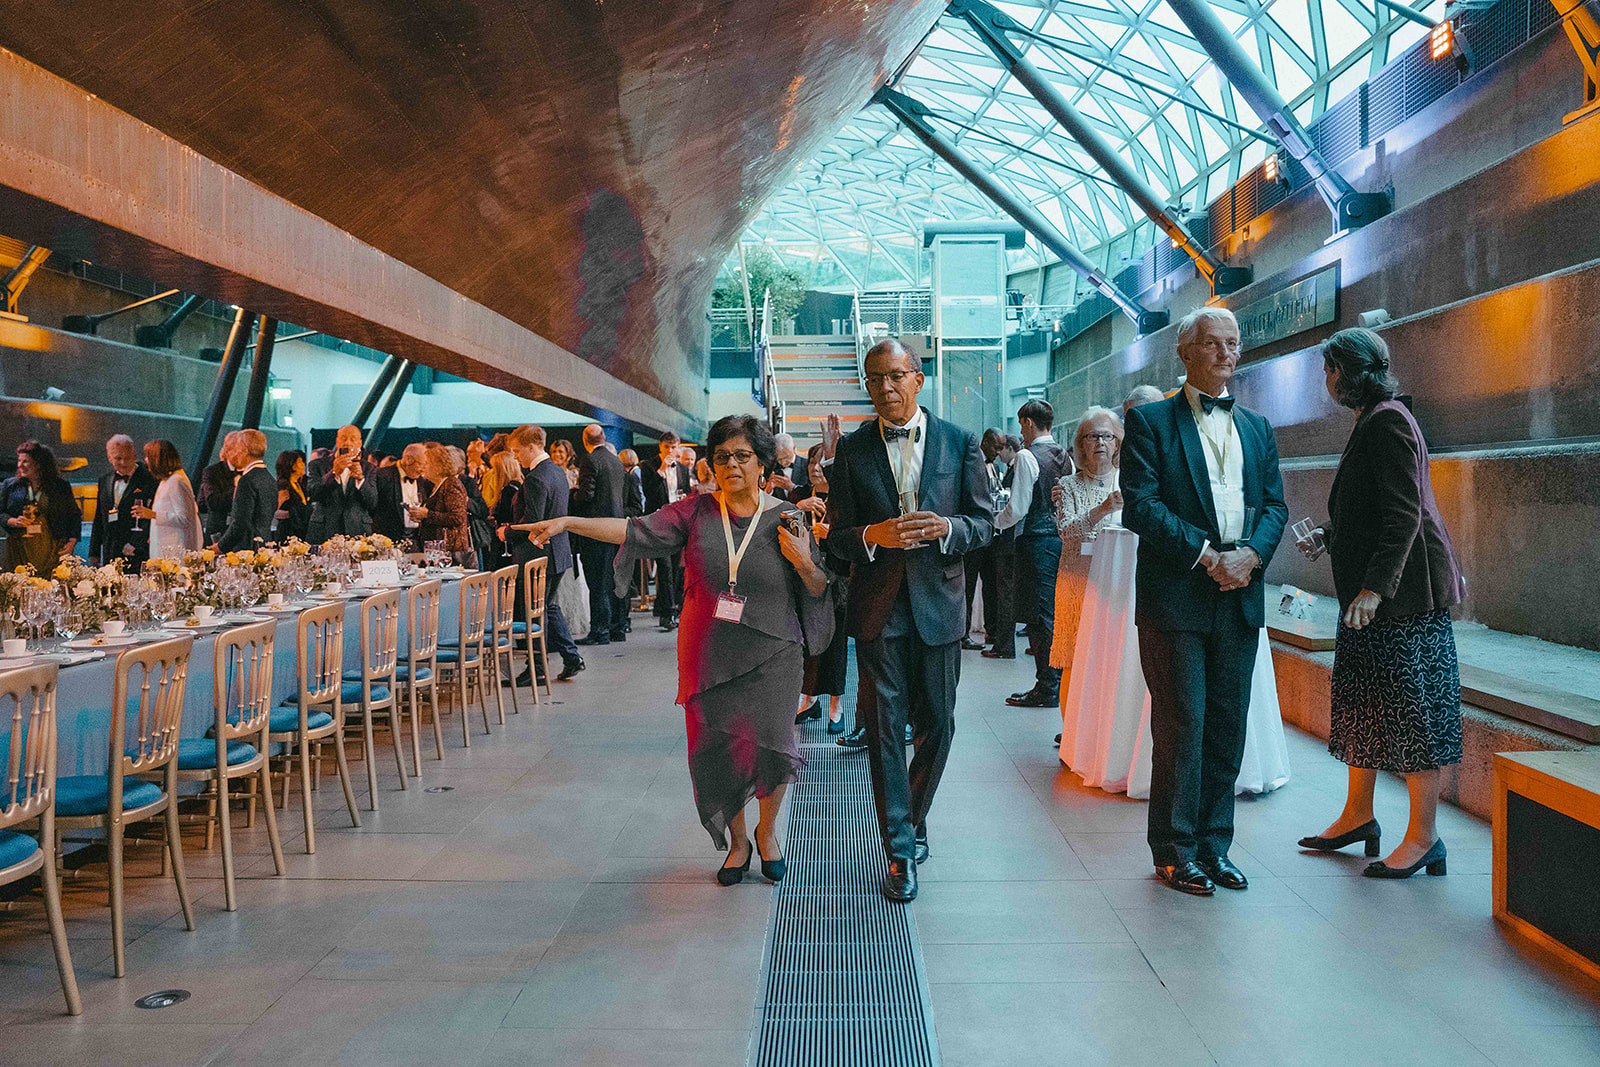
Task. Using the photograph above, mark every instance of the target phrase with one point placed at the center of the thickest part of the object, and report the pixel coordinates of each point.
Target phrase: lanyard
(1219, 449)
(735, 555)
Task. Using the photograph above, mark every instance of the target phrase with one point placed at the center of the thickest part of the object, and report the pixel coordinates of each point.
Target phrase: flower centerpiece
(96, 593)
(13, 586)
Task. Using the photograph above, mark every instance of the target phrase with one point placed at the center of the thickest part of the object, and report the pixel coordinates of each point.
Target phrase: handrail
(766, 378)
(861, 346)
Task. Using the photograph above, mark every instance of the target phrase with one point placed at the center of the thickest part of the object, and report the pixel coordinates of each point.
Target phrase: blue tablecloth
(83, 694)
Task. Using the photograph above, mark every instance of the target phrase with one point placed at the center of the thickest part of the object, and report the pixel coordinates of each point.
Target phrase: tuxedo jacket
(215, 502)
(107, 538)
(655, 485)
(861, 492)
(337, 509)
(1166, 493)
(601, 486)
(544, 494)
(633, 493)
(389, 517)
(255, 501)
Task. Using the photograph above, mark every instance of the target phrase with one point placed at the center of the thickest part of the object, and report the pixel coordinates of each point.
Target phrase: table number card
(380, 572)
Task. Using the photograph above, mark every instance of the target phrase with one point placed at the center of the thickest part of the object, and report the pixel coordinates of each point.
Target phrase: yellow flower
(63, 571)
(208, 555)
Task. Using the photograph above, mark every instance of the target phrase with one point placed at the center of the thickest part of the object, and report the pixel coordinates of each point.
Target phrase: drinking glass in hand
(1309, 539)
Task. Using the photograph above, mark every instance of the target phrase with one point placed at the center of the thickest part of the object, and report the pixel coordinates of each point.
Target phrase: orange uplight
(1441, 40)
(1269, 168)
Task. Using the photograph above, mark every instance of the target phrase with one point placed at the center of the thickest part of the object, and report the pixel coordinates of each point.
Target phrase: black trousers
(913, 682)
(998, 570)
(607, 613)
(669, 586)
(1199, 698)
(1041, 555)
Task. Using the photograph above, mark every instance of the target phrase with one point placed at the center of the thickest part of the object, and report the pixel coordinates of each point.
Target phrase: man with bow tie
(344, 490)
(1201, 488)
(909, 498)
(117, 532)
(401, 485)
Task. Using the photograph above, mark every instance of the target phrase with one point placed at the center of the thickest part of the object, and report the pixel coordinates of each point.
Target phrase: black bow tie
(409, 481)
(1207, 403)
(897, 433)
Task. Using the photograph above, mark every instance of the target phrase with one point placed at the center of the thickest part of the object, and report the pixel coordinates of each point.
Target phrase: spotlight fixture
(1374, 318)
(1269, 167)
(53, 393)
(1441, 40)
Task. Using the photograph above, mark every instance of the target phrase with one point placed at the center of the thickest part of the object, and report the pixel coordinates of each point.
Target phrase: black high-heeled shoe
(774, 870)
(1433, 859)
(734, 875)
(814, 711)
(1369, 831)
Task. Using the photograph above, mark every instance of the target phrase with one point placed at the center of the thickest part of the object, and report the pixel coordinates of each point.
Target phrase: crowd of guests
(770, 564)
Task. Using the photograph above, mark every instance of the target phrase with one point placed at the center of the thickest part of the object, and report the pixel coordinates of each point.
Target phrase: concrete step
(823, 391)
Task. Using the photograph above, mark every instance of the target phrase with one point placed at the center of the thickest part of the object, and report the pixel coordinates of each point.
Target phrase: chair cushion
(199, 753)
(351, 693)
(521, 628)
(85, 794)
(287, 720)
(448, 654)
(403, 673)
(15, 848)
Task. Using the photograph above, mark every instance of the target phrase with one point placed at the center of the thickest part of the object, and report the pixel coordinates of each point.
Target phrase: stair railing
(764, 384)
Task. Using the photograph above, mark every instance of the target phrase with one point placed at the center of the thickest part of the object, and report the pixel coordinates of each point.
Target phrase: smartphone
(797, 522)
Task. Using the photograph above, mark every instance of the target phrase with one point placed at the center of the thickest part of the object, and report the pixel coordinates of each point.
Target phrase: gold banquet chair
(503, 637)
(300, 721)
(531, 627)
(236, 744)
(28, 704)
(372, 688)
(419, 674)
(463, 659)
(152, 705)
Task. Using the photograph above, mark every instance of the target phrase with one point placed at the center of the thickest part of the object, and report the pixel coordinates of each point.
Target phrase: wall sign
(1310, 302)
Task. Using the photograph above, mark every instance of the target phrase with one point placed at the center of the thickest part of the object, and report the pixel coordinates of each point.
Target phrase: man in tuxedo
(117, 533)
(633, 490)
(909, 498)
(215, 501)
(255, 496)
(789, 479)
(666, 484)
(344, 490)
(978, 561)
(599, 495)
(399, 485)
(1201, 488)
(1038, 545)
(543, 495)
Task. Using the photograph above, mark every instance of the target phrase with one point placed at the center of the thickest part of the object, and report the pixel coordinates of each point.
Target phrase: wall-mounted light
(1269, 169)
(1441, 40)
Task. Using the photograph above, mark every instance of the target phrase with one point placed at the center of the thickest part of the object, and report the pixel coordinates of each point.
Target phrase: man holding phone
(344, 490)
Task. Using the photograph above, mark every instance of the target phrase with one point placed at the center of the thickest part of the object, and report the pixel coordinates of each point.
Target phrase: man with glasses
(1201, 488)
(909, 498)
(1038, 545)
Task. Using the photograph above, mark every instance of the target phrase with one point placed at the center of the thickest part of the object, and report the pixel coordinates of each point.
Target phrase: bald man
(601, 494)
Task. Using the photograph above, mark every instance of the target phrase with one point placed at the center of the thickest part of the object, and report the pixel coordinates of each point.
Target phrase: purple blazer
(1384, 532)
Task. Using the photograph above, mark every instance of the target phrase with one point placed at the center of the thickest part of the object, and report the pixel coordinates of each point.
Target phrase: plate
(102, 641)
(8, 663)
(189, 626)
(284, 609)
(239, 619)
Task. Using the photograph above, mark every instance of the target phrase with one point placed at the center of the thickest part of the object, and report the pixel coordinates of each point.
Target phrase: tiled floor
(556, 907)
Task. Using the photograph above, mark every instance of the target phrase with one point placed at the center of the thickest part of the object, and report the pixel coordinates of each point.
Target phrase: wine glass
(69, 623)
(35, 610)
(162, 605)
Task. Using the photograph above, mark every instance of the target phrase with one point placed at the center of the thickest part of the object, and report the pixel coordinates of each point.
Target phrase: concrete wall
(1490, 265)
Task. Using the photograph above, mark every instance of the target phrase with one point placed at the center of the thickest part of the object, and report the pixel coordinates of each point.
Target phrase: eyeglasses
(895, 377)
(720, 458)
(1212, 344)
(1097, 435)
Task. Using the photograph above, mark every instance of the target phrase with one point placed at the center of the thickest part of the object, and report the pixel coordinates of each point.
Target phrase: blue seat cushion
(448, 655)
(403, 673)
(287, 720)
(522, 628)
(85, 794)
(199, 753)
(15, 848)
(351, 693)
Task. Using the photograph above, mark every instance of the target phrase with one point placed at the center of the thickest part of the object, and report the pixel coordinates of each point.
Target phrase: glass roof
(852, 216)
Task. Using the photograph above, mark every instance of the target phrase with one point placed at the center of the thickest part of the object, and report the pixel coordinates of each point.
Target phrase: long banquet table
(83, 694)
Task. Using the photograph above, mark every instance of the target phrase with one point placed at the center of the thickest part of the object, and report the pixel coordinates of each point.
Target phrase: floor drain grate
(843, 985)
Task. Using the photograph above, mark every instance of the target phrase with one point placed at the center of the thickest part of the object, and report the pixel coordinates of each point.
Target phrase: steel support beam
(255, 398)
(386, 373)
(992, 27)
(381, 428)
(160, 334)
(91, 323)
(221, 393)
(1351, 209)
(16, 278)
(914, 116)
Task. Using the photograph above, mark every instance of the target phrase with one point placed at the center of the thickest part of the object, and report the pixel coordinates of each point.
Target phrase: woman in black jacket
(1396, 683)
(294, 505)
(43, 522)
(825, 673)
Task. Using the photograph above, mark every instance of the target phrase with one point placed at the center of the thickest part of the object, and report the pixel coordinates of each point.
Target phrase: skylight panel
(1295, 19)
(1344, 33)
(1346, 82)
(1139, 51)
(1405, 35)
(1291, 78)
(1186, 61)
(1109, 33)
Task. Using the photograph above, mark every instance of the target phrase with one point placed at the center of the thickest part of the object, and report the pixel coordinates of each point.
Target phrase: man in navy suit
(543, 495)
(909, 497)
(1201, 488)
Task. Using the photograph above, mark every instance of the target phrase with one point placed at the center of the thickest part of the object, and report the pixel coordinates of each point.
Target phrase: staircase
(817, 376)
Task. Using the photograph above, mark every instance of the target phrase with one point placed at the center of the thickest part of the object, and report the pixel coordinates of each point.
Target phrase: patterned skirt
(1397, 695)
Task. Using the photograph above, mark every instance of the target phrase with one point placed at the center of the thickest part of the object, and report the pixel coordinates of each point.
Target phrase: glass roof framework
(852, 216)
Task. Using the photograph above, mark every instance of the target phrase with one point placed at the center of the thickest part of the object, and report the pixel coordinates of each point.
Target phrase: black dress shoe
(593, 639)
(1187, 878)
(921, 853)
(1033, 698)
(734, 875)
(668, 625)
(836, 726)
(900, 884)
(1369, 831)
(774, 870)
(969, 645)
(854, 740)
(521, 681)
(570, 670)
(813, 711)
(619, 637)
(992, 653)
(1222, 871)
(1058, 741)
(1433, 859)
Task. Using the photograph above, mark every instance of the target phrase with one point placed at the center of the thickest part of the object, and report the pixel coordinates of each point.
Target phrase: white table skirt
(1105, 709)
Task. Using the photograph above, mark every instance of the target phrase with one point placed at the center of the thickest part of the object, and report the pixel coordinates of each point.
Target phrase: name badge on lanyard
(730, 606)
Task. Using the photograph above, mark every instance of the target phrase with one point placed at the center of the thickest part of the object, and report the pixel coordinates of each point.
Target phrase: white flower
(84, 588)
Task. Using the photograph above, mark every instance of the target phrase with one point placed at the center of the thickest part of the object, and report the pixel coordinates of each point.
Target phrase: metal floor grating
(843, 984)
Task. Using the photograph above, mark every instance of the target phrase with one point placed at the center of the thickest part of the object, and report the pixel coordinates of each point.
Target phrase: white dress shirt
(408, 497)
(1224, 452)
(669, 475)
(905, 462)
(1022, 482)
